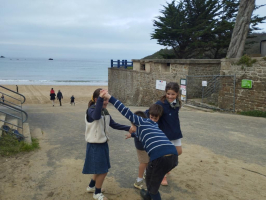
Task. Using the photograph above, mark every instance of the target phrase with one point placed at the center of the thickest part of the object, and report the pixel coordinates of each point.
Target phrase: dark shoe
(145, 195)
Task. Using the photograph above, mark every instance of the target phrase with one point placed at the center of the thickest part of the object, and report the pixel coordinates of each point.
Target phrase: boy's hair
(96, 94)
(141, 114)
(156, 110)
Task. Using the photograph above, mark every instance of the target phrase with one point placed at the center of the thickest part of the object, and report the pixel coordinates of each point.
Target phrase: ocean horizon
(38, 71)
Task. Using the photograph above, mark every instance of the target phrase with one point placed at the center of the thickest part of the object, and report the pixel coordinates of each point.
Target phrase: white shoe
(99, 196)
(92, 189)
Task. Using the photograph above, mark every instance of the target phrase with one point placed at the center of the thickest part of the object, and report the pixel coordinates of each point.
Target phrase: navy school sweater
(169, 122)
(153, 139)
(94, 113)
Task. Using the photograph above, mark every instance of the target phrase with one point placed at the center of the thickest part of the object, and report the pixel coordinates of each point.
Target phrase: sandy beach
(220, 160)
(40, 94)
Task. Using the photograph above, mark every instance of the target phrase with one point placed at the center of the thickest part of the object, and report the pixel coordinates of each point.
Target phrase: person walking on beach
(3, 98)
(59, 97)
(52, 95)
(72, 100)
(169, 122)
(98, 122)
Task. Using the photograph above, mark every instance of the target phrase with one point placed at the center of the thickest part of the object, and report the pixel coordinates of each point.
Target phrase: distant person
(72, 100)
(3, 98)
(59, 97)
(52, 95)
(17, 88)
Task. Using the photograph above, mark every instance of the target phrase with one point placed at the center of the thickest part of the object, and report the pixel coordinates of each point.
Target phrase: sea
(29, 71)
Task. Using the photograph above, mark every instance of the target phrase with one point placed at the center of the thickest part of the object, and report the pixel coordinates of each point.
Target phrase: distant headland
(2, 57)
(50, 59)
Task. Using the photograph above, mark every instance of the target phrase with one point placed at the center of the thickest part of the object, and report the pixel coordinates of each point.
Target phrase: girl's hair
(96, 94)
(172, 86)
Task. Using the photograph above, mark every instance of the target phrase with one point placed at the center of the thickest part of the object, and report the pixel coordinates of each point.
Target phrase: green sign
(246, 83)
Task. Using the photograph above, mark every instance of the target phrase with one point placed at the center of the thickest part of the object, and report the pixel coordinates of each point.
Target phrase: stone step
(2, 117)
(37, 133)
(12, 121)
(26, 133)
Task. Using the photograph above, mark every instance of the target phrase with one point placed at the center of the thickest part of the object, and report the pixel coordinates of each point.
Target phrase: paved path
(233, 136)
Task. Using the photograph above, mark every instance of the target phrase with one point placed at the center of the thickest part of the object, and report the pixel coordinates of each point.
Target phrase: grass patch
(246, 60)
(9, 145)
(254, 113)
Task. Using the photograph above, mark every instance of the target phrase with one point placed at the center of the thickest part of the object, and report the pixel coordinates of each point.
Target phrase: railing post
(118, 63)
(112, 63)
(125, 64)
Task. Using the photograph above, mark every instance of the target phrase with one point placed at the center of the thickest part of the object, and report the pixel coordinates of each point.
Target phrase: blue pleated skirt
(97, 159)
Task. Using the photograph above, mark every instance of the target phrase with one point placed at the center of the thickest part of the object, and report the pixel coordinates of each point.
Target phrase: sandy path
(223, 156)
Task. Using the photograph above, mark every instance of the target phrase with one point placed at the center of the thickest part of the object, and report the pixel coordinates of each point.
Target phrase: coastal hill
(252, 48)
(2, 56)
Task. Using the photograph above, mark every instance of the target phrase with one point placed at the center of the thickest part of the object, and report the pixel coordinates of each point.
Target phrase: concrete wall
(246, 99)
(137, 86)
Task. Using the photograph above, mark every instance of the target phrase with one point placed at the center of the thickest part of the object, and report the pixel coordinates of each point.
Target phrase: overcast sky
(81, 29)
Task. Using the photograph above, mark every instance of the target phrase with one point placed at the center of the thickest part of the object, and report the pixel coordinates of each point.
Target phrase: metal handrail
(16, 109)
(24, 98)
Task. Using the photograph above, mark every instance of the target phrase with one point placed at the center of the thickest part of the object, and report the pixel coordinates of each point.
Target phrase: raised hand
(107, 95)
(102, 93)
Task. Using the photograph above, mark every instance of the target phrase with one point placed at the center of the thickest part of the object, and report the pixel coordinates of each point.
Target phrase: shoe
(92, 189)
(99, 196)
(144, 175)
(164, 181)
(139, 184)
(144, 194)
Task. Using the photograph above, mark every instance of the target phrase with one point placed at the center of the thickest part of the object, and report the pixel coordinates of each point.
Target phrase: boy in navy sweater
(163, 154)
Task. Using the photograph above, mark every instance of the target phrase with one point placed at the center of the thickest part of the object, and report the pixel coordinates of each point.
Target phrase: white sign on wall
(160, 85)
(183, 89)
(204, 83)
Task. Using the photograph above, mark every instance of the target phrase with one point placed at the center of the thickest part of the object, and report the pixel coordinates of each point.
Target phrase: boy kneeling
(162, 153)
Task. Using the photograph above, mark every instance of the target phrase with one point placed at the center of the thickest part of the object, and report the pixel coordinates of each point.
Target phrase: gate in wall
(215, 92)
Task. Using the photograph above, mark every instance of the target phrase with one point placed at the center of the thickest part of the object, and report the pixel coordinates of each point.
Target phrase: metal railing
(11, 109)
(121, 63)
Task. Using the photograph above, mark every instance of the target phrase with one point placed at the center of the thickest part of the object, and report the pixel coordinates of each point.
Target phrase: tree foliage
(198, 28)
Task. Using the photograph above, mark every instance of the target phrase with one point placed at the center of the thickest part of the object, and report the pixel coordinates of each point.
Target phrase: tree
(186, 27)
(241, 29)
(199, 28)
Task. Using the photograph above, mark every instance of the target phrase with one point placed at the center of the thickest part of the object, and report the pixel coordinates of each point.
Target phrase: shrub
(246, 60)
(254, 113)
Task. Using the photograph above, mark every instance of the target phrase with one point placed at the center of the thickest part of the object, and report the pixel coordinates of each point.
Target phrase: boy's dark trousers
(157, 169)
(60, 101)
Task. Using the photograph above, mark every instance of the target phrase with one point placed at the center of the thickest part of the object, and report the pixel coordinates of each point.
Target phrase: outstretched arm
(124, 110)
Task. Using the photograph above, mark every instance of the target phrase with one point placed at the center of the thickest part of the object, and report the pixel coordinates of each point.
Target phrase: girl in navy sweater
(97, 161)
(169, 122)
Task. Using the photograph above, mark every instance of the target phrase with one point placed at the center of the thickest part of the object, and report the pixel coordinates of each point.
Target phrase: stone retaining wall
(245, 99)
(137, 87)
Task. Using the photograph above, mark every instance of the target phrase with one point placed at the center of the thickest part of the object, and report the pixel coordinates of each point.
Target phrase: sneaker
(164, 181)
(99, 196)
(139, 184)
(92, 189)
(144, 194)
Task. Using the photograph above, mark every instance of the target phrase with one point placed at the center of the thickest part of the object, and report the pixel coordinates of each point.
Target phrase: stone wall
(245, 99)
(137, 86)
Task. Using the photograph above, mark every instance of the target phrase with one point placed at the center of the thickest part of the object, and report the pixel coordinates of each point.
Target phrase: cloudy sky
(80, 29)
